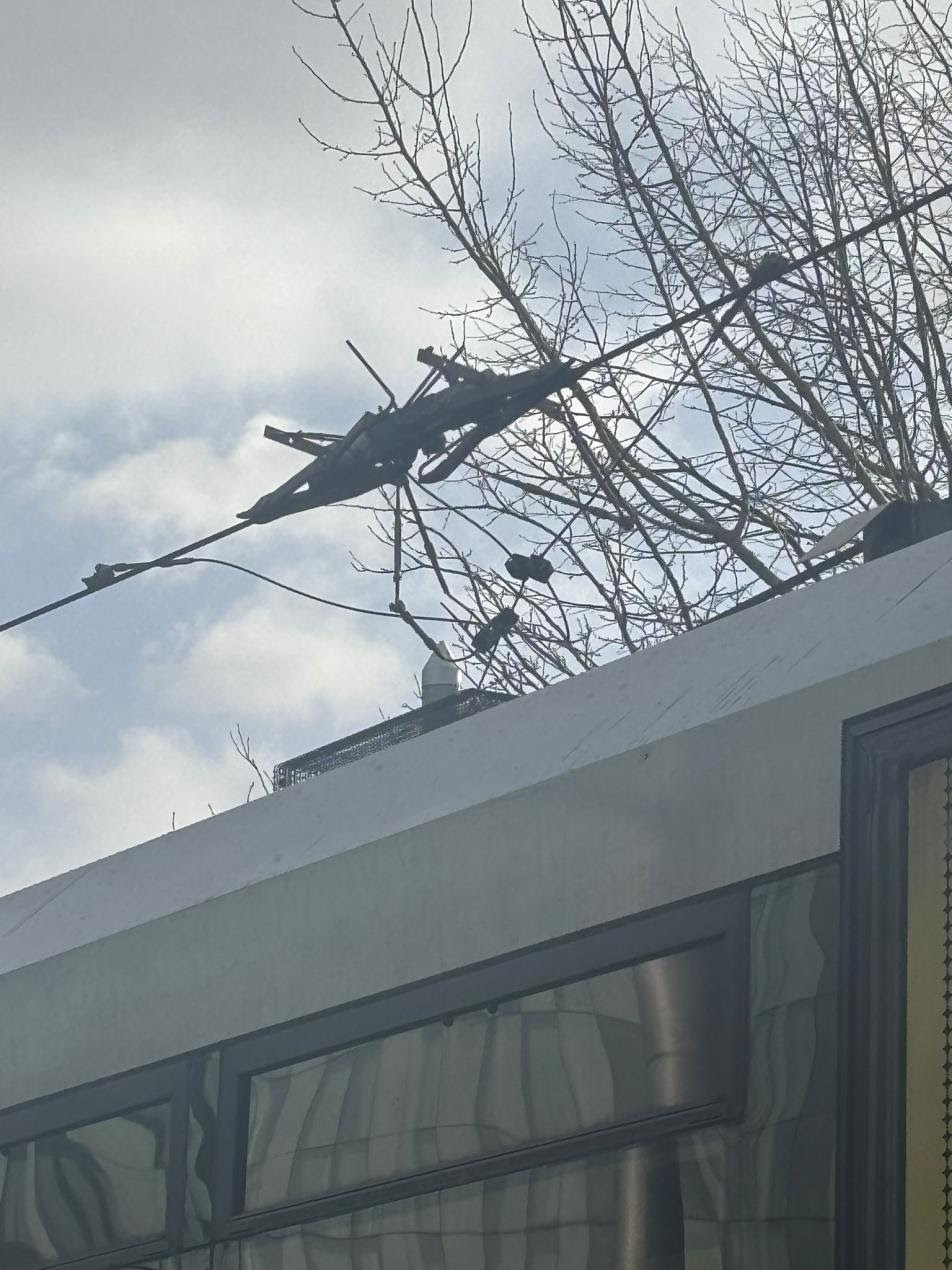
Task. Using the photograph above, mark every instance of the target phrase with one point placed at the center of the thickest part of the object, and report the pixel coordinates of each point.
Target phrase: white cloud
(113, 291)
(167, 223)
(293, 677)
(179, 489)
(86, 809)
(32, 679)
(179, 486)
(279, 663)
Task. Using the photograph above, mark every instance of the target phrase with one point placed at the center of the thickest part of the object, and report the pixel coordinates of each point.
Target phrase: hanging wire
(397, 545)
(284, 586)
(427, 541)
(583, 368)
(399, 609)
(133, 571)
(160, 561)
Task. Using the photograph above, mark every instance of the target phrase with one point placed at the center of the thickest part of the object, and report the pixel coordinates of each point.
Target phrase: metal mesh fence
(449, 709)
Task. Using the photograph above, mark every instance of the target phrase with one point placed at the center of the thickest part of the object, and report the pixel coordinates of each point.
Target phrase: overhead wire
(739, 294)
(426, 540)
(132, 571)
(307, 595)
(788, 584)
(397, 545)
(583, 368)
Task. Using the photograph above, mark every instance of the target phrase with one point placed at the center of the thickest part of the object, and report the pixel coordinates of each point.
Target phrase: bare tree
(669, 486)
(242, 747)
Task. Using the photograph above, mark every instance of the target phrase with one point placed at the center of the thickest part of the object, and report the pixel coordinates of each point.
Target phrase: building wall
(738, 798)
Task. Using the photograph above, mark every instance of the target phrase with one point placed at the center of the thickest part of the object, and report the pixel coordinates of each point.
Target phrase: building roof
(871, 614)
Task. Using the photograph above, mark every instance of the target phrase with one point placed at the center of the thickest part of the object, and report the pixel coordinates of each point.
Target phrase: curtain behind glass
(608, 1050)
(87, 1190)
(763, 1191)
(758, 1195)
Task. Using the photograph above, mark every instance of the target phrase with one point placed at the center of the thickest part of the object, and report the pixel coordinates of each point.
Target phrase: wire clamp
(488, 636)
(534, 568)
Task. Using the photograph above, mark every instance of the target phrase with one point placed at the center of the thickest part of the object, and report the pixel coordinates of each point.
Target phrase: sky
(179, 265)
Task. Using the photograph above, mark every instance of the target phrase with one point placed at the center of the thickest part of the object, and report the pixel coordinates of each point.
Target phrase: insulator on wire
(488, 636)
(532, 568)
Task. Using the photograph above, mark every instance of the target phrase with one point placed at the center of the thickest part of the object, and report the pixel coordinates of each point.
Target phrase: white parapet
(692, 765)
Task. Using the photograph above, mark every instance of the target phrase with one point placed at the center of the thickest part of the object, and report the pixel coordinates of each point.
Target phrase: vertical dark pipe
(650, 1209)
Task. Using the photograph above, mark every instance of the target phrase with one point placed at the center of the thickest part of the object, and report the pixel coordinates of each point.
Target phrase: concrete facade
(693, 765)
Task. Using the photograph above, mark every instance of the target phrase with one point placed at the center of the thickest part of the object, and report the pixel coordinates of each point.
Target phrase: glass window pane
(195, 1259)
(200, 1152)
(85, 1190)
(762, 1190)
(755, 1195)
(607, 1212)
(618, 1047)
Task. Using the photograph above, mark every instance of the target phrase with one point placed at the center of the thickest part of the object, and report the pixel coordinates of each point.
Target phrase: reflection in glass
(618, 1047)
(199, 1164)
(755, 1195)
(751, 1195)
(196, 1259)
(85, 1190)
(605, 1212)
(762, 1191)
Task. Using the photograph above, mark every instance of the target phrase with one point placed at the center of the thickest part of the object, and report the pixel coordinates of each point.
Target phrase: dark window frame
(880, 749)
(724, 916)
(103, 1100)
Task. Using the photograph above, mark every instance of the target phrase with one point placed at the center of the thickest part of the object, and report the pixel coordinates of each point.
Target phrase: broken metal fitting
(101, 576)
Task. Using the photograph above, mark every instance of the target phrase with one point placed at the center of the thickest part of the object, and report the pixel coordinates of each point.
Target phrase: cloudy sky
(180, 263)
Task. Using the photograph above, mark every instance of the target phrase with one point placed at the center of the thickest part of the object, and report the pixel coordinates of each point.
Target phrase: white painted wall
(702, 762)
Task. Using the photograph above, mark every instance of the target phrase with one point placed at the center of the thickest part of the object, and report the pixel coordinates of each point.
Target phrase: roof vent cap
(440, 676)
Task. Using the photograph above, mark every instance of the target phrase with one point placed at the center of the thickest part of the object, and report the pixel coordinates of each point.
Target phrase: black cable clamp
(488, 636)
(532, 568)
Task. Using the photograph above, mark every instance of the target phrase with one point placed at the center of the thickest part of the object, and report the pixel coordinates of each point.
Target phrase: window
(712, 1190)
(578, 1213)
(893, 1187)
(565, 1102)
(612, 1049)
(99, 1171)
(752, 1193)
(645, 1036)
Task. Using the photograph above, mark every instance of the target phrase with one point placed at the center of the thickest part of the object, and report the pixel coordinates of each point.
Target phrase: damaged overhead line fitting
(102, 575)
(381, 447)
(367, 458)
